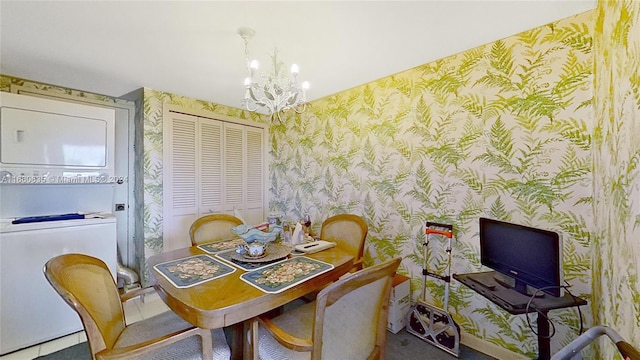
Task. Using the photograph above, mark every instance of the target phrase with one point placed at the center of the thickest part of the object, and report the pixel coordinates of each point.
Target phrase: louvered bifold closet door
(256, 171)
(234, 169)
(244, 171)
(211, 166)
(179, 181)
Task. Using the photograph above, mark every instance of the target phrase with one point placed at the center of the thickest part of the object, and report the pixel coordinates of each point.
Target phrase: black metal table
(484, 283)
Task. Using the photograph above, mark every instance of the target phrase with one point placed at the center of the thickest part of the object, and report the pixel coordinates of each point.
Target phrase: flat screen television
(525, 255)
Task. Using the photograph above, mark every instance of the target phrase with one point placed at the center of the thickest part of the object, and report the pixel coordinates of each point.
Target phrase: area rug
(75, 352)
(400, 346)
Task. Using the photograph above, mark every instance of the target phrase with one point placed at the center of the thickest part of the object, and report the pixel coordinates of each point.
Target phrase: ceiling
(192, 48)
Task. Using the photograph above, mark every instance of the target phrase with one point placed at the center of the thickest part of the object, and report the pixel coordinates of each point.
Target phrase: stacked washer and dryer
(56, 195)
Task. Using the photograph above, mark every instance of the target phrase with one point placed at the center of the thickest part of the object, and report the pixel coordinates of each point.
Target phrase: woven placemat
(193, 270)
(285, 274)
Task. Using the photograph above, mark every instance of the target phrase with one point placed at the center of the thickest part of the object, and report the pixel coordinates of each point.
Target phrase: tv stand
(516, 285)
(515, 303)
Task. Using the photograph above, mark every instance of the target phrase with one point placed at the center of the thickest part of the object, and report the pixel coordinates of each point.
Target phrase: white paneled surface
(30, 310)
(34, 138)
(44, 140)
(255, 174)
(210, 166)
(36, 200)
(179, 180)
(112, 197)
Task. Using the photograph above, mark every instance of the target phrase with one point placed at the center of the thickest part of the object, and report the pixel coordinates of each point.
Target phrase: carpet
(403, 345)
(400, 346)
(75, 352)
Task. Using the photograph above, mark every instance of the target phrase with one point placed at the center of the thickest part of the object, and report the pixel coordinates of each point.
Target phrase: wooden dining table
(230, 301)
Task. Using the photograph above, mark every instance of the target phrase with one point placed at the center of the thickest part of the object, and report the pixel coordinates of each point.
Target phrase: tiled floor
(135, 310)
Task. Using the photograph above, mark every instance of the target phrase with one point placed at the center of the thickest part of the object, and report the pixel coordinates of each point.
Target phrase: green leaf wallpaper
(540, 128)
(616, 148)
(501, 131)
(153, 102)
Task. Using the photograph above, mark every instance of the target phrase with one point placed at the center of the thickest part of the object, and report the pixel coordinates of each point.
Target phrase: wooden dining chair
(86, 284)
(213, 227)
(348, 320)
(349, 232)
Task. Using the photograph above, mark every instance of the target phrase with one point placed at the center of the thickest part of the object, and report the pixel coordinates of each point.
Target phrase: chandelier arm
(293, 99)
(300, 109)
(277, 92)
(280, 102)
(276, 115)
(248, 106)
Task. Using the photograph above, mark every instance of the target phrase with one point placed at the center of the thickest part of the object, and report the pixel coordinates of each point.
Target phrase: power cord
(575, 301)
(540, 313)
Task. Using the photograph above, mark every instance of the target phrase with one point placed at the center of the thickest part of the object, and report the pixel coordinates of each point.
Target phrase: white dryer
(31, 312)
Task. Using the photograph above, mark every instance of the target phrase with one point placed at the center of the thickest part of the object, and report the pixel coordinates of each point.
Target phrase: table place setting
(257, 288)
(285, 274)
(232, 257)
(215, 247)
(270, 265)
(193, 270)
(269, 253)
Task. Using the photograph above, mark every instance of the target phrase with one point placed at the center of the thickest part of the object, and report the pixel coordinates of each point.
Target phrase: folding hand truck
(428, 322)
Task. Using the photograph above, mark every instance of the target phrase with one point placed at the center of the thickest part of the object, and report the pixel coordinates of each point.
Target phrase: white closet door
(234, 168)
(256, 174)
(179, 181)
(211, 166)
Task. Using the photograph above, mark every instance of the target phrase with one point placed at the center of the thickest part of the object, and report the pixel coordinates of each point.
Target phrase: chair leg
(254, 338)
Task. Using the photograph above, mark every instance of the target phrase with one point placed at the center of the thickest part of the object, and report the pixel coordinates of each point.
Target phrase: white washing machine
(31, 312)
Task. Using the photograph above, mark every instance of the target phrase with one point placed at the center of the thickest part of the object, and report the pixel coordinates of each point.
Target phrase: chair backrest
(86, 284)
(349, 232)
(351, 314)
(213, 227)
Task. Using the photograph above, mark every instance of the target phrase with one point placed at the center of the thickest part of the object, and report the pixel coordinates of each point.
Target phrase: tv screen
(527, 255)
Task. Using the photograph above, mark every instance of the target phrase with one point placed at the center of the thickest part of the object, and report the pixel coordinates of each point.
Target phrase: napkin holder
(315, 246)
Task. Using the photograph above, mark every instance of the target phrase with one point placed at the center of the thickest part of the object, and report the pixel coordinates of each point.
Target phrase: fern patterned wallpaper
(503, 131)
(616, 271)
(151, 102)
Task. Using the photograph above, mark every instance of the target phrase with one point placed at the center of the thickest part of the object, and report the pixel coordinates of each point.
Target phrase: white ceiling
(192, 48)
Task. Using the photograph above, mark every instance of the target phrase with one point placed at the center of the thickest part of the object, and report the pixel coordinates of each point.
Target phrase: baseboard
(488, 348)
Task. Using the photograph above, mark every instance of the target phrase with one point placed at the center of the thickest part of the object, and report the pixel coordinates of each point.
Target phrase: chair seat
(347, 321)
(166, 323)
(86, 284)
(298, 321)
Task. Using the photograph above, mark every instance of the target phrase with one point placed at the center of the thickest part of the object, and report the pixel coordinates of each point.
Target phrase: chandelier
(273, 92)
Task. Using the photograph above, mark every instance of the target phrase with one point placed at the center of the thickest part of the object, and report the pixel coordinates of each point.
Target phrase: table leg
(237, 343)
(250, 337)
(544, 343)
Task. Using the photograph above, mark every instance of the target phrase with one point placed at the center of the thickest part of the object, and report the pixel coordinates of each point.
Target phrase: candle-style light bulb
(305, 85)
(254, 65)
(295, 69)
(247, 85)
